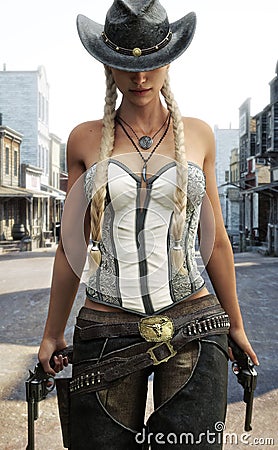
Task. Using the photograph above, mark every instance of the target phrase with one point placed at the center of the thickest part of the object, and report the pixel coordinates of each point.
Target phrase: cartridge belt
(163, 338)
(130, 328)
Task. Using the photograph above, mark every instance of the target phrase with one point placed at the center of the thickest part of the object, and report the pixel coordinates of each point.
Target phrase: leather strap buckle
(170, 352)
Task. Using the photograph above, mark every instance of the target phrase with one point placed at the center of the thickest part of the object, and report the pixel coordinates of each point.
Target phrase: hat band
(137, 51)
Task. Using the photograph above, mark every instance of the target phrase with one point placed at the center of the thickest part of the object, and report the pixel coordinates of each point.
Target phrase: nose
(139, 78)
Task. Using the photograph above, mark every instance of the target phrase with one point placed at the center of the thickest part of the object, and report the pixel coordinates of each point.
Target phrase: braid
(106, 148)
(181, 189)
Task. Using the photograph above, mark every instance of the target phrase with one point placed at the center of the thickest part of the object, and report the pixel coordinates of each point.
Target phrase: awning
(270, 187)
(10, 192)
(58, 194)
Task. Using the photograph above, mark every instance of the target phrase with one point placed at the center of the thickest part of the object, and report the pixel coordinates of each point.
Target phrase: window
(46, 166)
(243, 124)
(46, 111)
(40, 156)
(40, 106)
(15, 164)
(269, 125)
(42, 111)
(258, 134)
(7, 162)
(43, 108)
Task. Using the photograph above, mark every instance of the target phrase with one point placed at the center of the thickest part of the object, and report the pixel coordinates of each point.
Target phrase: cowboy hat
(137, 35)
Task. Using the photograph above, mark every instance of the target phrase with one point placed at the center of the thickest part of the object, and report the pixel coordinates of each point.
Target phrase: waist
(96, 306)
(113, 314)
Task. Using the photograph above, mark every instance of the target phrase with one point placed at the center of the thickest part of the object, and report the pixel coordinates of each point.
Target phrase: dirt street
(24, 292)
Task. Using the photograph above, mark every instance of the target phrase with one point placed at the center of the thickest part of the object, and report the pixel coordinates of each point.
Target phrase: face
(140, 87)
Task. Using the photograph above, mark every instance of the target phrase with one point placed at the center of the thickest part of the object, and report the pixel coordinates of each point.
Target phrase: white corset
(136, 273)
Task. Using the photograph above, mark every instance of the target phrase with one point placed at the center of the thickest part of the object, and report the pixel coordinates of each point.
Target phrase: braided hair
(106, 149)
(180, 199)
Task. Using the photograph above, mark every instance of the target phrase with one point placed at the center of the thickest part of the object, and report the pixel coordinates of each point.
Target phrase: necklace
(144, 168)
(145, 141)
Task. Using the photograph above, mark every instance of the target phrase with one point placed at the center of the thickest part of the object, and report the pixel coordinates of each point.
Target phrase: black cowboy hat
(136, 36)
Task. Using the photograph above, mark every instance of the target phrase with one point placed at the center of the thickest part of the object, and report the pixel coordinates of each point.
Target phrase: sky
(232, 57)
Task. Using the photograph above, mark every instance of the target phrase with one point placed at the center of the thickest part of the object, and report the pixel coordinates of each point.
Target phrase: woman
(146, 171)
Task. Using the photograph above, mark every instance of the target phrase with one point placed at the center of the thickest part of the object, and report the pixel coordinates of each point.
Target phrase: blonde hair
(180, 199)
(106, 148)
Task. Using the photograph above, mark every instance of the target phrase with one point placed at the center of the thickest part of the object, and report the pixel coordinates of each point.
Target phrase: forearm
(64, 287)
(221, 271)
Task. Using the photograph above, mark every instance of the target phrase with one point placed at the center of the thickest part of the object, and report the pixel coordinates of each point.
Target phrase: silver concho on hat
(136, 36)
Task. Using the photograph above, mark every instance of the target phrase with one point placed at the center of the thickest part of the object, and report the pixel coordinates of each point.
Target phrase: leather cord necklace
(144, 168)
(145, 141)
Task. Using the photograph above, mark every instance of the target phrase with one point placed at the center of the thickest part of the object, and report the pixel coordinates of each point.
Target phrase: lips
(140, 92)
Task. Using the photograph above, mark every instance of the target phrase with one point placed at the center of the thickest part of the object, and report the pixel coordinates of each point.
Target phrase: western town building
(24, 108)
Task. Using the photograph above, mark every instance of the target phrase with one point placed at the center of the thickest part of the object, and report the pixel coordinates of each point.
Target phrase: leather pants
(189, 396)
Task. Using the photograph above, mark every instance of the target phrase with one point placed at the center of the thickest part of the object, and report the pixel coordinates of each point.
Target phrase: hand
(239, 336)
(47, 348)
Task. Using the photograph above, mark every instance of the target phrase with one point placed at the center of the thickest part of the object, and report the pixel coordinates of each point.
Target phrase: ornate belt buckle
(156, 328)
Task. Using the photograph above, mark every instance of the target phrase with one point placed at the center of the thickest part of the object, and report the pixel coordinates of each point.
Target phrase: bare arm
(66, 269)
(220, 266)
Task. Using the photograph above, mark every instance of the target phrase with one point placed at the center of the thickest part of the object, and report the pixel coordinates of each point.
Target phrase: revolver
(246, 374)
(38, 385)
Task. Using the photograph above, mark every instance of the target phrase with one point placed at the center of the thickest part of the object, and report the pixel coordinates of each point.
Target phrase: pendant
(144, 172)
(145, 142)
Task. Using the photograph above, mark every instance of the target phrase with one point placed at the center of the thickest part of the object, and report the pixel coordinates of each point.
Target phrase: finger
(65, 361)
(47, 368)
(253, 356)
(250, 352)
(231, 355)
(58, 361)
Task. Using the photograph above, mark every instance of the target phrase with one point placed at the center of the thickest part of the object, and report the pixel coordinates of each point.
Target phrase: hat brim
(90, 33)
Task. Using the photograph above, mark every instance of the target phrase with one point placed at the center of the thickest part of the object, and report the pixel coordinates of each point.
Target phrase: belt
(133, 328)
(169, 336)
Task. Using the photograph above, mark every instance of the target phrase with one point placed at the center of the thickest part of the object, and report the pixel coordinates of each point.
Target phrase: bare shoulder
(198, 126)
(84, 141)
(199, 139)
